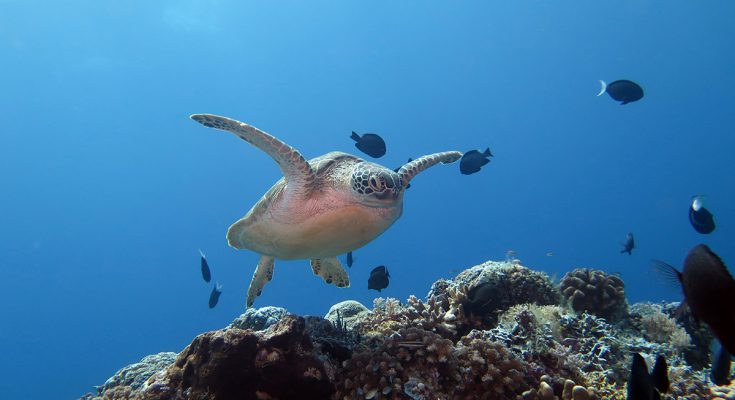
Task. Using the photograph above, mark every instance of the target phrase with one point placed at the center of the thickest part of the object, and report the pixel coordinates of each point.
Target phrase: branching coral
(660, 328)
(423, 365)
(596, 292)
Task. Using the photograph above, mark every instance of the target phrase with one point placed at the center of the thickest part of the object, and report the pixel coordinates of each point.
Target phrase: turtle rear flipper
(294, 166)
(331, 270)
(262, 275)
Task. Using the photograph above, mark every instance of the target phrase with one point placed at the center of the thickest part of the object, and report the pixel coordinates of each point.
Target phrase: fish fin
(603, 87)
(488, 153)
(669, 274)
(262, 275)
(355, 136)
(660, 374)
(624, 102)
(331, 270)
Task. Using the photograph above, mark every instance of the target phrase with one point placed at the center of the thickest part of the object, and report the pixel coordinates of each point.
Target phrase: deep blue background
(108, 188)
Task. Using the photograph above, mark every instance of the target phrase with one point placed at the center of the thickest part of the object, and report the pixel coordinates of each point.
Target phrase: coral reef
(259, 318)
(595, 292)
(496, 331)
(349, 312)
(493, 287)
(245, 364)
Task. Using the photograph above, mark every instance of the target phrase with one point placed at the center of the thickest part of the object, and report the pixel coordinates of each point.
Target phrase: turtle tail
(411, 169)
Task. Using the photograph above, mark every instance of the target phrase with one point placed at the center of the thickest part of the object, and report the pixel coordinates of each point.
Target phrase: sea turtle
(321, 208)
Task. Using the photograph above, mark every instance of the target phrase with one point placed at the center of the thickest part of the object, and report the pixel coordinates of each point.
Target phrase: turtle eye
(377, 184)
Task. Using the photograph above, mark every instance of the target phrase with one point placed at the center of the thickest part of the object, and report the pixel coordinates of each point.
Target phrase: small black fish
(701, 219)
(473, 160)
(349, 259)
(709, 291)
(214, 296)
(370, 144)
(206, 274)
(629, 244)
(481, 299)
(645, 386)
(378, 278)
(720, 369)
(396, 170)
(623, 91)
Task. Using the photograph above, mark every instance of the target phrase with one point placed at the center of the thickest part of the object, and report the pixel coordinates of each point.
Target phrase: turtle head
(376, 185)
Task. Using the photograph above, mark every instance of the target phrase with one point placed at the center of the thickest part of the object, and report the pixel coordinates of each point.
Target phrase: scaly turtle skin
(321, 208)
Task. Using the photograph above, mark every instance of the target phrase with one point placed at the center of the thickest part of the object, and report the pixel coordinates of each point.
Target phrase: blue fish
(214, 296)
(629, 244)
(701, 218)
(473, 160)
(379, 278)
(370, 144)
(349, 259)
(624, 91)
(206, 274)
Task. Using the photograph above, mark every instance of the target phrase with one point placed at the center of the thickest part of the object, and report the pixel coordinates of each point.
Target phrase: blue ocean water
(108, 189)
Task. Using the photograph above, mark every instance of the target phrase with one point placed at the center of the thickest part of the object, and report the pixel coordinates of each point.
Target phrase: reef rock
(258, 319)
(243, 364)
(133, 376)
(348, 312)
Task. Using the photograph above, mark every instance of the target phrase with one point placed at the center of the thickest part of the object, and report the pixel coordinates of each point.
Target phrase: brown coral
(596, 292)
(476, 296)
(422, 365)
(243, 364)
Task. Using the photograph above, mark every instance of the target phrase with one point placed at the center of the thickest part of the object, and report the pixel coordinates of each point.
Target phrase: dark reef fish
(720, 369)
(629, 244)
(206, 274)
(709, 291)
(473, 160)
(370, 144)
(480, 299)
(623, 91)
(214, 296)
(645, 386)
(701, 219)
(379, 278)
(350, 260)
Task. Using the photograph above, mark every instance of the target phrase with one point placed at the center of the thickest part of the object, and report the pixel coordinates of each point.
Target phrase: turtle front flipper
(331, 270)
(294, 166)
(263, 274)
(411, 169)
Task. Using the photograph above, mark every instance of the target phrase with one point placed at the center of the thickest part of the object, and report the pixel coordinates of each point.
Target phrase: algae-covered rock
(350, 313)
(133, 376)
(259, 318)
(493, 287)
(242, 364)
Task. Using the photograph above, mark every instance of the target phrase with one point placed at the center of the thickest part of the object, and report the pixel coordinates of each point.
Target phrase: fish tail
(603, 87)
(201, 253)
(625, 251)
(218, 286)
(355, 136)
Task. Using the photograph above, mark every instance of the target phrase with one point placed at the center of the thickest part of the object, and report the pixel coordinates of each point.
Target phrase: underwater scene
(219, 199)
